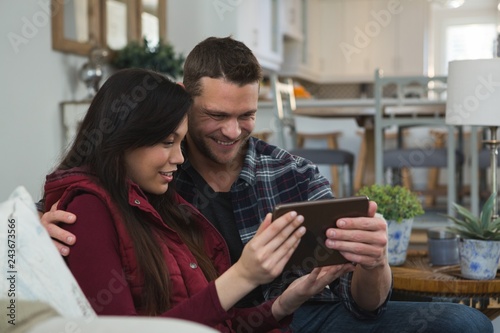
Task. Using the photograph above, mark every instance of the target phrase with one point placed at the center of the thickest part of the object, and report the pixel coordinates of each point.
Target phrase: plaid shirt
(271, 175)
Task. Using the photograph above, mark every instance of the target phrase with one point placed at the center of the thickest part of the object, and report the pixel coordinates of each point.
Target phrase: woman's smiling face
(152, 167)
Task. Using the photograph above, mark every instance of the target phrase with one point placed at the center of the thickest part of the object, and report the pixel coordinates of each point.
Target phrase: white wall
(34, 80)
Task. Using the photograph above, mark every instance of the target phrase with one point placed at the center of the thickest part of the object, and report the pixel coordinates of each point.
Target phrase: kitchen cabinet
(292, 19)
(384, 34)
(302, 56)
(347, 40)
(254, 22)
(412, 29)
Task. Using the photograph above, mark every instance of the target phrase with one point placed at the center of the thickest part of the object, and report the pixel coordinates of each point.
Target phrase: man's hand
(363, 240)
(61, 238)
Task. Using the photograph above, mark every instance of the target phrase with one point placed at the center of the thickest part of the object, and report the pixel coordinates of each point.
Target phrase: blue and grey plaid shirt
(270, 176)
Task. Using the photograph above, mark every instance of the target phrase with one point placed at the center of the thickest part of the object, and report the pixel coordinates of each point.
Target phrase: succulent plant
(395, 203)
(467, 225)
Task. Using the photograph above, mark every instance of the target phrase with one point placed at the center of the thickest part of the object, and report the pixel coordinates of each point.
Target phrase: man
(235, 180)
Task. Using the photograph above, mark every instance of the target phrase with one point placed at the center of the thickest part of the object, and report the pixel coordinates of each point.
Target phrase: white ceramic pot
(399, 238)
(479, 258)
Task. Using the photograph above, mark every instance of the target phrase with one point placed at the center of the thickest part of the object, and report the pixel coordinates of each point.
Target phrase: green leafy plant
(394, 202)
(161, 58)
(473, 227)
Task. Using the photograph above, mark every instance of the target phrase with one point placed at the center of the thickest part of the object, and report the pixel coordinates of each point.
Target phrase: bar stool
(332, 143)
(439, 137)
(333, 157)
(418, 158)
(360, 167)
(285, 105)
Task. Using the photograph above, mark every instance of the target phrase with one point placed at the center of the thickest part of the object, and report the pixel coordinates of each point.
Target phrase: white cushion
(32, 268)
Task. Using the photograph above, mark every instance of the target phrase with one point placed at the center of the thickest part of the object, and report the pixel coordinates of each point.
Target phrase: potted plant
(479, 244)
(160, 57)
(398, 206)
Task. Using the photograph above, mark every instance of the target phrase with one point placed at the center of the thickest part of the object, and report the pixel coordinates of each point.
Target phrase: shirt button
(193, 265)
(137, 202)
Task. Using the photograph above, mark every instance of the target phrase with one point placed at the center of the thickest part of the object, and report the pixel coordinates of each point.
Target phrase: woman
(142, 249)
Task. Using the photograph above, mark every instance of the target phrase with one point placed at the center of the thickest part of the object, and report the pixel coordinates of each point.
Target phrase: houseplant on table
(479, 244)
(398, 206)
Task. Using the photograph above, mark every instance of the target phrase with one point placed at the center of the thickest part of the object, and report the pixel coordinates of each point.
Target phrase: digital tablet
(319, 216)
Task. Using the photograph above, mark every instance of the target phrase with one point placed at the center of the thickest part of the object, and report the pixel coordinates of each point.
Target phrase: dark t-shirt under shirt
(219, 211)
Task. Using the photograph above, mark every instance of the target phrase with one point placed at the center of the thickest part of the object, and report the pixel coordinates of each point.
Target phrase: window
(469, 41)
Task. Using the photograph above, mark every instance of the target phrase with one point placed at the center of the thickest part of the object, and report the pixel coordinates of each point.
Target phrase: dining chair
(395, 106)
(285, 105)
(412, 158)
(332, 157)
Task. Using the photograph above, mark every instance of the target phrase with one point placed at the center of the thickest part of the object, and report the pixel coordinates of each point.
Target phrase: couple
(118, 180)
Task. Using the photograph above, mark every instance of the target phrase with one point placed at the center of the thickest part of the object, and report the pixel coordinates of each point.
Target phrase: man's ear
(181, 84)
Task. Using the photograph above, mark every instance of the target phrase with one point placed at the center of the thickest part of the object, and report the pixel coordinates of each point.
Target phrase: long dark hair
(137, 108)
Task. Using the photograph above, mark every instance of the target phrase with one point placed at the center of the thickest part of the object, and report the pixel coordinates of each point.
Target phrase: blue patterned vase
(479, 258)
(399, 238)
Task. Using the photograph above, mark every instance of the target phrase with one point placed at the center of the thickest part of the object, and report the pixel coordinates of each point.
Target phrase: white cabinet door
(254, 22)
(292, 22)
(357, 44)
(412, 38)
(359, 36)
(311, 51)
(331, 21)
(302, 57)
(265, 31)
(384, 34)
(382, 28)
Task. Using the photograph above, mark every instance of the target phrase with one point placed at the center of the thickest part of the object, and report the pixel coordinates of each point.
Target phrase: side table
(417, 280)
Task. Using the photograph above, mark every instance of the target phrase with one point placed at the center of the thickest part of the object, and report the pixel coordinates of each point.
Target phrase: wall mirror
(80, 25)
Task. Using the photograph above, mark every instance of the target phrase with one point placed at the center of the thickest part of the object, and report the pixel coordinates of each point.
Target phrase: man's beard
(206, 150)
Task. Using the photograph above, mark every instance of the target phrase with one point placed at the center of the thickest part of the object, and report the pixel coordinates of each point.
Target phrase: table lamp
(473, 99)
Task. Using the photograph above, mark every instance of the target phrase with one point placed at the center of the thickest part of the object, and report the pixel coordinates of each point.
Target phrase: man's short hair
(218, 58)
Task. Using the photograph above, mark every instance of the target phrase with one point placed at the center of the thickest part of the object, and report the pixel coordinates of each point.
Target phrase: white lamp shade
(473, 94)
